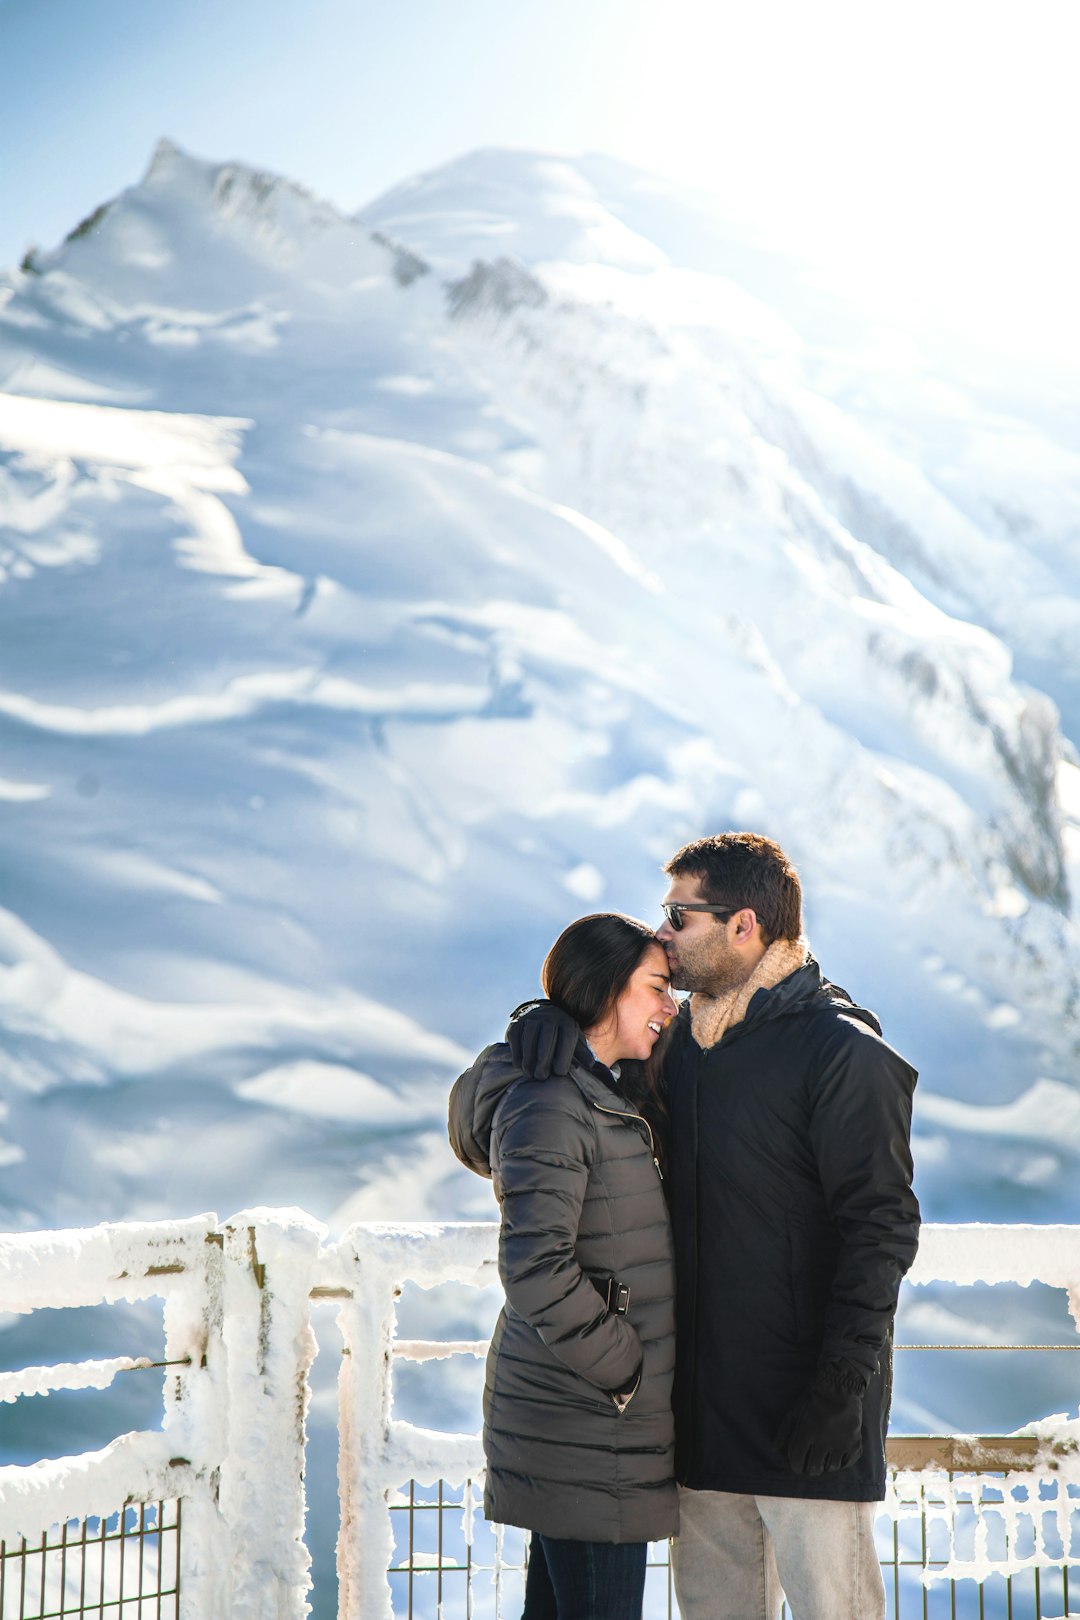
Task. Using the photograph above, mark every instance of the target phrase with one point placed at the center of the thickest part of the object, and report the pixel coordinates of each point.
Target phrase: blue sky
(348, 98)
(926, 151)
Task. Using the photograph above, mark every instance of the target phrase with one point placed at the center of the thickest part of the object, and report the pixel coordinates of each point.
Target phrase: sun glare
(922, 156)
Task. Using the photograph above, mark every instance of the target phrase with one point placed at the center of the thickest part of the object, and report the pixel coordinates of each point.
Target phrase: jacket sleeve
(469, 1116)
(860, 1132)
(544, 1145)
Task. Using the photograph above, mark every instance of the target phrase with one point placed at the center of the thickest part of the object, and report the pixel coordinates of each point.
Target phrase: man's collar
(712, 1016)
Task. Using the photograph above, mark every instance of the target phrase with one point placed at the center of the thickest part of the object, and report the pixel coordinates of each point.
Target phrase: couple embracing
(706, 1211)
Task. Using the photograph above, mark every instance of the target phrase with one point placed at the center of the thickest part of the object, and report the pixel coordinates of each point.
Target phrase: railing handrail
(238, 1299)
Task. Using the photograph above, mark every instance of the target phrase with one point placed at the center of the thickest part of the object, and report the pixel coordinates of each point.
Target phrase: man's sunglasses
(673, 912)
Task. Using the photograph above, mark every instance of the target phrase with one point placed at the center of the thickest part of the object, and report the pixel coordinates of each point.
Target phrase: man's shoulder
(833, 1027)
(832, 1008)
(835, 1011)
(845, 1042)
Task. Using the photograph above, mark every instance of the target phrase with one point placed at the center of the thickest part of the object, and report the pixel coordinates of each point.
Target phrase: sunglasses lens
(674, 917)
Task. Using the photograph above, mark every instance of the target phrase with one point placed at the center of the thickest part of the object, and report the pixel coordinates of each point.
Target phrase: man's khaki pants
(737, 1556)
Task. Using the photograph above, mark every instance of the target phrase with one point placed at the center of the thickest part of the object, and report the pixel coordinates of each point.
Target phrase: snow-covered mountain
(379, 593)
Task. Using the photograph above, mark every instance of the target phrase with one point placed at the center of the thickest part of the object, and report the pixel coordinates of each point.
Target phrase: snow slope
(379, 593)
(359, 577)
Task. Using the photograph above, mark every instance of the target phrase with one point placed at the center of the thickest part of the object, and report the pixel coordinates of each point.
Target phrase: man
(794, 1219)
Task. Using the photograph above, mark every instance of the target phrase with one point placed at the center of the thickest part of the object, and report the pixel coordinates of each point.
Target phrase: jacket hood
(473, 1100)
(803, 991)
(477, 1093)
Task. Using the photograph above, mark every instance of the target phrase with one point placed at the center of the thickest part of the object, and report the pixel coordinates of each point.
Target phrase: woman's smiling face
(641, 1010)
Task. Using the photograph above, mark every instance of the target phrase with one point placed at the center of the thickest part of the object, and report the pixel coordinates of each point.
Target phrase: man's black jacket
(790, 1189)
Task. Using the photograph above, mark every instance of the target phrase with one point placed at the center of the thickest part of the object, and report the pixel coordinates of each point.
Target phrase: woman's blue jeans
(584, 1580)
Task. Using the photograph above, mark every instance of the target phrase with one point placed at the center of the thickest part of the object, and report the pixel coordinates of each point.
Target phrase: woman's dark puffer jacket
(581, 1202)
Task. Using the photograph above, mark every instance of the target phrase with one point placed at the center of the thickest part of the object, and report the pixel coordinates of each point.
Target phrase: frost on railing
(378, 1452)
(174, 1260)
(237, 1316)
(972, 1525)
(1027, 1516)
(238, 1345)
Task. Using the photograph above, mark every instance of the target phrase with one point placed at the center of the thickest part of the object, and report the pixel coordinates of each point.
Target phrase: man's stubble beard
(712, 968)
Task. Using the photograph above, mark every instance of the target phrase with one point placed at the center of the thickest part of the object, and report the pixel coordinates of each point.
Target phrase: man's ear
(745, 924)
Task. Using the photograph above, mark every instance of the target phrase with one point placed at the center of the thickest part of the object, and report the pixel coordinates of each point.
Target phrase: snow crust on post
(270, 1261)
(376, 1453)
(232, 1440)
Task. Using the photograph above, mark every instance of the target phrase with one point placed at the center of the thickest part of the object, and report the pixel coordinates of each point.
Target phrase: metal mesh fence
(126, 1567)
(449, 1564)
(938, 1522)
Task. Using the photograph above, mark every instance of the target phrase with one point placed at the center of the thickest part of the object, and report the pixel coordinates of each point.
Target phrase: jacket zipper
(619, 1113)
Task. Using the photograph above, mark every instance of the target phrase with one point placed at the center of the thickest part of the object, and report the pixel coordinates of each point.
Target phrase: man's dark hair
(743, 869)
(589, 964)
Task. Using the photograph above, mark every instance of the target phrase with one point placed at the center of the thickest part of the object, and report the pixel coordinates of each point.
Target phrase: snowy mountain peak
(181, 196)
(196, 252)
(165, 158)
(533, 206)
(452, 568)
(276, 211)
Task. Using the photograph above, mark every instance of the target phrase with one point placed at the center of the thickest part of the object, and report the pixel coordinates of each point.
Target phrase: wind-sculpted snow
(378, 593)
(203, 449)
(747, 517)
(242, 698)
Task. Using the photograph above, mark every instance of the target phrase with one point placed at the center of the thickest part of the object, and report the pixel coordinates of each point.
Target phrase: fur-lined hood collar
(786, 980)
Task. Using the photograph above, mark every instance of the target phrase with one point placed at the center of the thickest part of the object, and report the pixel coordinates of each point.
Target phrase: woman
(578, 1430)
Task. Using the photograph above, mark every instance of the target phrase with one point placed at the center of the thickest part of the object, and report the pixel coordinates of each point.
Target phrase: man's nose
(665, 932)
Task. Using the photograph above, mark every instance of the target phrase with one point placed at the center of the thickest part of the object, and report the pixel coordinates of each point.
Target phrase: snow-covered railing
(941, 1479)
(379, 1453)
(942, 1482)
(231, 1446)
(238, 1341)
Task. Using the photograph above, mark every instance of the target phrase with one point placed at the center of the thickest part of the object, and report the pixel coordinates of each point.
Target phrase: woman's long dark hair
(589, 965)
(584, 973)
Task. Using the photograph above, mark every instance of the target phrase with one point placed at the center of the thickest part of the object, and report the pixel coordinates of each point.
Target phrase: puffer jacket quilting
(581, 1202)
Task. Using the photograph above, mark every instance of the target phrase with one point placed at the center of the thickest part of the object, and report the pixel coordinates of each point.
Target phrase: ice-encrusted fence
(379, 1454)
(1028, 1516)
(230, 1452)
(231, 1444)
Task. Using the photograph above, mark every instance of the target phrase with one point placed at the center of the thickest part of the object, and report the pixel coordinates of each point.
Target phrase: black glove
(543, 1040)
(823, 1430)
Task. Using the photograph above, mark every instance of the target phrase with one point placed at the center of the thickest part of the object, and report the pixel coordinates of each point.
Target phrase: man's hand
(823, 1430)
(543, 1040)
